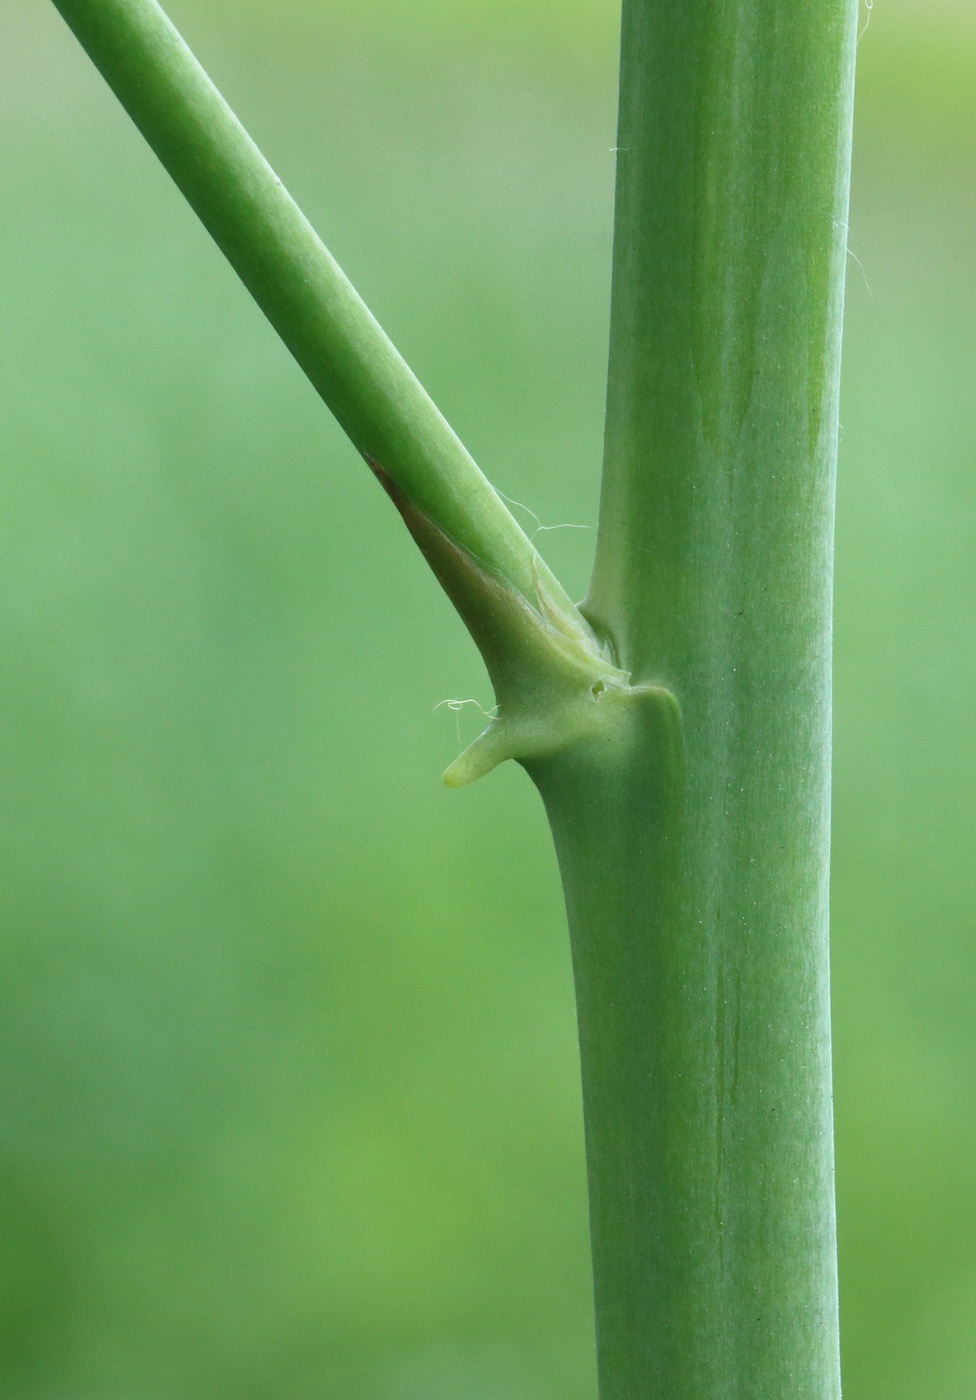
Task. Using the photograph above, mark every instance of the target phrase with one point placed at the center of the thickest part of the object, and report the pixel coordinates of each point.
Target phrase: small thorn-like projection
(554, 681)
(563, 720)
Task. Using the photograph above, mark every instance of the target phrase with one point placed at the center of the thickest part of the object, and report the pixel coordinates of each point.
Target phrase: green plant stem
(301, 289)
(696, 878)
(687, 787)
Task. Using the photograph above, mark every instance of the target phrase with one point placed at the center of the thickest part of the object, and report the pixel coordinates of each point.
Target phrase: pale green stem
(696, 872)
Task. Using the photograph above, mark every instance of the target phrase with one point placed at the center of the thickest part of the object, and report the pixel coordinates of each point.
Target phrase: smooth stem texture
(687, 786)
(696, 868)
(301, 289)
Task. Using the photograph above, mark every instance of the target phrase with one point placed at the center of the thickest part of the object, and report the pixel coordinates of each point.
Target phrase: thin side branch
(301, 289)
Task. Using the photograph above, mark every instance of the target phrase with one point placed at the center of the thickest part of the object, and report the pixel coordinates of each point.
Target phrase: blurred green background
(288, 1087)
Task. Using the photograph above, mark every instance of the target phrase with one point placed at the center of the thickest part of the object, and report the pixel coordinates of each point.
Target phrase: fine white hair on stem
(458, 705)
(838, 223)
(539, 527)
(868, 7)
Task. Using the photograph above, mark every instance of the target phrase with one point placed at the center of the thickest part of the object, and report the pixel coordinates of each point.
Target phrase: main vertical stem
(696, 874)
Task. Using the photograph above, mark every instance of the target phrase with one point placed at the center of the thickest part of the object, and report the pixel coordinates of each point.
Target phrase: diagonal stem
(302, 290)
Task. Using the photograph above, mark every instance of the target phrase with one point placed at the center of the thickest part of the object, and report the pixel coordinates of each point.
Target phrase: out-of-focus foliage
(288, 1097)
